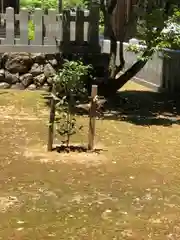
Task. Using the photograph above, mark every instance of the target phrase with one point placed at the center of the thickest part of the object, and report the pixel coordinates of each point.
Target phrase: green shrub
(46, 4)
(154, 31)
(70, 86)
(31, 4)
(170, 36)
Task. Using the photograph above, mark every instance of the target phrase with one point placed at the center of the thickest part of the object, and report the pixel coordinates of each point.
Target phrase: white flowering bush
(170, 35)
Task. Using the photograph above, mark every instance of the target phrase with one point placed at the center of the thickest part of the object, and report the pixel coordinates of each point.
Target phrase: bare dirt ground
(131, 190)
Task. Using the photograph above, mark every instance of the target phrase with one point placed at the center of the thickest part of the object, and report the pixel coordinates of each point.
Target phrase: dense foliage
(46, 4)
(170, 35)
(160, 31)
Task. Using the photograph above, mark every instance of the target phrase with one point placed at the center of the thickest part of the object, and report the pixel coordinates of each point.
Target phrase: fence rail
(53, 32)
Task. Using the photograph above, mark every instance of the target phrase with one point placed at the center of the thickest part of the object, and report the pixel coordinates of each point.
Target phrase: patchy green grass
(129, 191)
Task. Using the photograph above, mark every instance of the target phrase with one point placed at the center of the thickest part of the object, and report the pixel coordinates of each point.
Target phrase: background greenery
(46, 4)
(159, 33)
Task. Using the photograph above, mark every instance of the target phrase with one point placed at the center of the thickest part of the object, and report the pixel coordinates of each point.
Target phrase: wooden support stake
(51, 122)
(92, 118)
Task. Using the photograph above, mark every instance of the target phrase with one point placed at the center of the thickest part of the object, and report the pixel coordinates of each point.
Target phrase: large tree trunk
(119, 25)
(118, 17)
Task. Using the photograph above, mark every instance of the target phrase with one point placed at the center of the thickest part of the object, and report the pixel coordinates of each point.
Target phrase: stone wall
(28, 71)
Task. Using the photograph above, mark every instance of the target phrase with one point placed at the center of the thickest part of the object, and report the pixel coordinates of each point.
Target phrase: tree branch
(113, 85)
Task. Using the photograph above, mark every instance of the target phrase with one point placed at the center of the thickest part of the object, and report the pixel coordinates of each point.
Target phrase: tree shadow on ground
(1, 93)
(144, 108)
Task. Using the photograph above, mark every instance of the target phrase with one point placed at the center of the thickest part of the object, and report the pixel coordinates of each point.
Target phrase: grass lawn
(131, 190)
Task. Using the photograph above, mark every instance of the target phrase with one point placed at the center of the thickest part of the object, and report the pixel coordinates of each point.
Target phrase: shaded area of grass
(139, 106)
(144, 108)
(133, 194)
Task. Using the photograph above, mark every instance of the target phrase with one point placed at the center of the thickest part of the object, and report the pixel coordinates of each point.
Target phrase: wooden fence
(69, 31)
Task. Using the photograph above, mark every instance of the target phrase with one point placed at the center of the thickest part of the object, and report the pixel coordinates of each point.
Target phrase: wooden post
(60, 6)
(92, 118)
(66, 27)
(51, 122)
(93, 31)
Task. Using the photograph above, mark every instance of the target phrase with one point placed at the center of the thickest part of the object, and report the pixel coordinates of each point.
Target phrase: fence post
(66, 27)
(79, 27)
(92, 118)
(51, 27)
(93, 33)
(38, 22)
(60, 6)
(23, 21)
(9, 40)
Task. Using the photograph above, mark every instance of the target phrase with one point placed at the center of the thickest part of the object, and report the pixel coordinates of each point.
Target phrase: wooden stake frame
(51, 121)
(92, 117)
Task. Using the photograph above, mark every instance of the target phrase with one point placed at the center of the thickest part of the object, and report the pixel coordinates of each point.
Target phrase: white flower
(172, 28)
